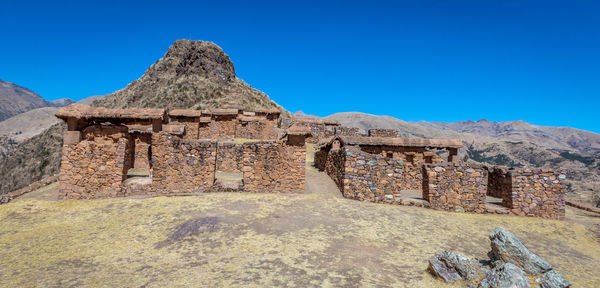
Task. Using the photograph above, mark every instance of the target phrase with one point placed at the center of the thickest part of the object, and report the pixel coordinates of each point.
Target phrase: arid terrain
(316, 239)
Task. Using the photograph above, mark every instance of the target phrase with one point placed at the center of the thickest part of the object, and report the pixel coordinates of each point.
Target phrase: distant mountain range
(15, 100)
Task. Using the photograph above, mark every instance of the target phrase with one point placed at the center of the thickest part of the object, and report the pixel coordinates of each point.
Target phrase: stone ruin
(180, 152)
(391, 169)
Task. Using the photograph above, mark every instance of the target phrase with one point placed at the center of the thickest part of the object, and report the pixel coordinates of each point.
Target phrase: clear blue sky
(537, 61)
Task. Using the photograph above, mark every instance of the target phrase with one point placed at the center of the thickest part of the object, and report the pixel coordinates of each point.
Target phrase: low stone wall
(383, 133)
(191, 129)
(96, 166)
(273, 167)
(537, 192)
(456, 187)
(182, 166)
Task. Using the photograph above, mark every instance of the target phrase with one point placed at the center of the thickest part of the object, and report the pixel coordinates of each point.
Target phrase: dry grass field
(317, 239)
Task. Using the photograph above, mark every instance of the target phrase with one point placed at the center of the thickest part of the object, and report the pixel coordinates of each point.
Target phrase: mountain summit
(192, 74)
(15, 100)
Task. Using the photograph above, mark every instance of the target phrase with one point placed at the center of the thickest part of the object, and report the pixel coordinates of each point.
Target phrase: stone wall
(182, 166)
(500, 185)
(534, 192)
(413, 158)
(141, 150)
(333, 162)
(204, 130)
(229, 157)
(369, 177)
(257, 129)
(223, 126)
(347, 131)
(96, 166)
(191, 129)
(273, 167)
(455, 187)
(383, 133)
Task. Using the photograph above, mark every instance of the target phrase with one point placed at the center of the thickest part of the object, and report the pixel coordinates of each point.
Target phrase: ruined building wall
(96, 166)
(191, 128)
(333, 162)
(347, 131)
(264, 129)
(204, 130)
(229, 157)
(223, 127)
(413, 158)
(456, 187)
(383, 133)
(500, 185)
(369, 177)
(182, 166)
(537, 192)
(142, 142)
(273, 167)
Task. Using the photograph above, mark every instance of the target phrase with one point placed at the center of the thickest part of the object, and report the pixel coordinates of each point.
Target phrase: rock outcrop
(553, 279)
(506, 248)
(451, 266)
(505, 275)
(510, 260)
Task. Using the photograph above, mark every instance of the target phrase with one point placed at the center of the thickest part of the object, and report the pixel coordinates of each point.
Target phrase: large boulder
(451, 266)
(553, 279)
(506, 275)
(506, 248)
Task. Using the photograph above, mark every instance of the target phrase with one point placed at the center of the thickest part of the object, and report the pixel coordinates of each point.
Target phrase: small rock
(451, 266)
(506, 275)
(553, 279)
(459, 209)
(509, 249)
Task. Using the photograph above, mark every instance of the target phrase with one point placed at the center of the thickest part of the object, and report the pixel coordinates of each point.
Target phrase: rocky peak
(200, 57)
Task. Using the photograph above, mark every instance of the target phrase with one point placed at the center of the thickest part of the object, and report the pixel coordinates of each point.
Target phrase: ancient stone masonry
(524, 192)
(230, 157)
(455, 187)
(320, 129)
(383, 133)
(102, 145)
(372, 177)
(96, 166)
(182, 166)
(412, 152)
(273, 167)
(347, 131)
(530, 192)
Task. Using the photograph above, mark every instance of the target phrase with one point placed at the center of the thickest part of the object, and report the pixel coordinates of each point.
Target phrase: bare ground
(317, 239)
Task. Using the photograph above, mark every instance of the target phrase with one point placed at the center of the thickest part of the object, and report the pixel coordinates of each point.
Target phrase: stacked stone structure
(227, 123)
(367, 172)
(455, 186)
(529, 192)
(412, 151)
(347, 131)
(524, 192)
(383, 133)
(101, 145)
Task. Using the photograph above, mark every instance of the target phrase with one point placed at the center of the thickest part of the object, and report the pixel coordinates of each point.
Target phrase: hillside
(192, 74)
(15, 100)
(514, 143)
